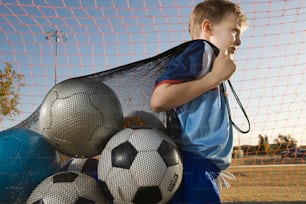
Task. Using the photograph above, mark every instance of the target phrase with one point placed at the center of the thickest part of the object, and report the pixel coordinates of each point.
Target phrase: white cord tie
(221, 179)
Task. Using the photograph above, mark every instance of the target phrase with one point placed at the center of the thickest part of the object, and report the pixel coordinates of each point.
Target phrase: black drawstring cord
(241, 107)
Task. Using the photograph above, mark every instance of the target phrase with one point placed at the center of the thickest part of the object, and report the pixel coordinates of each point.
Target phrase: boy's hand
(167, 95)
(223, 66)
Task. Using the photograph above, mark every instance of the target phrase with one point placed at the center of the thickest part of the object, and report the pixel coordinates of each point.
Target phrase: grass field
(270, 180)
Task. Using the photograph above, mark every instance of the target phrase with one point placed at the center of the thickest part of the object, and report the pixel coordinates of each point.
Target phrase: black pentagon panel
(123, 155)
(105, 190)
(148, 195)
(65, 177)
(82, 200)
(168, 152)
(41, 201)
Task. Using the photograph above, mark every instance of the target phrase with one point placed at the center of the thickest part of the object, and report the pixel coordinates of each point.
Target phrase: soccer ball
(68, 187)
(142, 119)
(140, 166)
(79, 115)
(26, 159)
(88, 166)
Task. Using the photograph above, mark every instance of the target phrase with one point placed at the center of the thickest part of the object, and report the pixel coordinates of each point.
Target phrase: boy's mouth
(232, 50)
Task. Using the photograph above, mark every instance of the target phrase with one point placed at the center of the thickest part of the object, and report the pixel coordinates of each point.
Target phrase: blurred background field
(282, 182)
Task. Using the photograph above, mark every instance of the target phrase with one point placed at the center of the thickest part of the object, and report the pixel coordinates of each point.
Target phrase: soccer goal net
(53, 40)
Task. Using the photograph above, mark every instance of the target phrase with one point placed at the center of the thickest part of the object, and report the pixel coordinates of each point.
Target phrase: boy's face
(226, 34)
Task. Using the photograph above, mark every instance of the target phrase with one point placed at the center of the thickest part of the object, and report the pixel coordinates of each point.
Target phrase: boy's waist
(221, 159)
(193, 159)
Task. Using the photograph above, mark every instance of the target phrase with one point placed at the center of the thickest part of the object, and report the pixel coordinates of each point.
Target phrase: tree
(285, 141)
(10, 83)
(263, 145)
(266, 144)
(261, 142)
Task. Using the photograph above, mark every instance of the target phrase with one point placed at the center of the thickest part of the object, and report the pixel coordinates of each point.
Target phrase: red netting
(90, 36)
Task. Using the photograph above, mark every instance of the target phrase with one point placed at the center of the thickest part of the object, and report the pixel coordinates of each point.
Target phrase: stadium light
(57, 36)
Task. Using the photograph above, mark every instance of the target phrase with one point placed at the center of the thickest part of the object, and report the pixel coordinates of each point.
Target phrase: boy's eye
(235, 31)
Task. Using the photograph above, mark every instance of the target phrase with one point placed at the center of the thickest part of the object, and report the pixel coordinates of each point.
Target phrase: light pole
(57, 36)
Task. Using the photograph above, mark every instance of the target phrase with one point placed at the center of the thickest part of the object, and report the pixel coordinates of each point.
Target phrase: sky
(270, 79)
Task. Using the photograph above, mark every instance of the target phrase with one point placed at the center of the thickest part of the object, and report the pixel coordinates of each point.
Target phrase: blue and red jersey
(205, 126)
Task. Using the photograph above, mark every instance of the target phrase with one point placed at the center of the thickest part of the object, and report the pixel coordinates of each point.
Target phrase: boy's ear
(207, 27)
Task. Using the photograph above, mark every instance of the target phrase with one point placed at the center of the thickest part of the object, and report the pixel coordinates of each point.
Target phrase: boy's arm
(168, 96)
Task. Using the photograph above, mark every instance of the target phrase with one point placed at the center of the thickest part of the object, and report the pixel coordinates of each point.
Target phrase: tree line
(10, 84)
(264, 147)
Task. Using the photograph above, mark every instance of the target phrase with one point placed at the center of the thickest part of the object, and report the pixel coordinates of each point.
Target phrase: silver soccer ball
(78, 116)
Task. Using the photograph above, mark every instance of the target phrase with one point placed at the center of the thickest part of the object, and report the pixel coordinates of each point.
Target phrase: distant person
(192, 86)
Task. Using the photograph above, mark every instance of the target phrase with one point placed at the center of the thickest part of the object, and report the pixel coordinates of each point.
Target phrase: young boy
(192, 86)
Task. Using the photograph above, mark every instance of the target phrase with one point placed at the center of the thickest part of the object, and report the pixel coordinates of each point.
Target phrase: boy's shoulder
(200, 44)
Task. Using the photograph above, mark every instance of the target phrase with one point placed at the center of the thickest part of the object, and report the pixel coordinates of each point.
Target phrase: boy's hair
(215, 11)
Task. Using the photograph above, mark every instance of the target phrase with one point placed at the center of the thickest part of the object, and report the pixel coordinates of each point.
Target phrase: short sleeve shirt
(206, 129)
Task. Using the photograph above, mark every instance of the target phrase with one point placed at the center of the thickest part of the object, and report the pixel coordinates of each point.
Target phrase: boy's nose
(237, 41)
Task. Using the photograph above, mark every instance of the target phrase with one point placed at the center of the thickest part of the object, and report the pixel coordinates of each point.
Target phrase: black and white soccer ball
(68, 187)
(140, 166)
(78, 116)
(88, 166)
